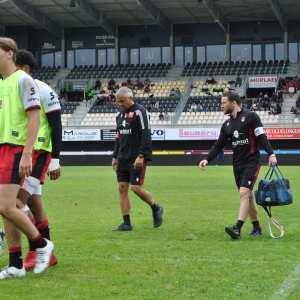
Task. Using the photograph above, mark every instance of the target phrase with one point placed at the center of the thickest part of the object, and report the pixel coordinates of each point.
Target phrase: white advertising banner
(192, 133)
(157, 134)
(72, 135)
(260, 81)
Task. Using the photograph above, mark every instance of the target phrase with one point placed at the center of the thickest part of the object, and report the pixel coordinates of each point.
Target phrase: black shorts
(126, 172)
(245, 176)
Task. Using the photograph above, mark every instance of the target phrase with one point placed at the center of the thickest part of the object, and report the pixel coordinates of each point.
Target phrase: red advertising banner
(282, 133)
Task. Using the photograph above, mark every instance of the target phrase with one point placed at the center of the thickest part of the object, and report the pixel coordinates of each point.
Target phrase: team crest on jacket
(130, 115)
(243, 119)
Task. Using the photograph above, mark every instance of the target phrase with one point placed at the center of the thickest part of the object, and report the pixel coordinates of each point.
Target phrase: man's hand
(114, 164)
(272, 160)
(25, 167)
(202, 164)
(54, 169)
(138, 164)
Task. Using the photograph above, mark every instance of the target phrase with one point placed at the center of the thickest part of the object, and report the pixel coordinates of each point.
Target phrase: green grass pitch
(189, 257)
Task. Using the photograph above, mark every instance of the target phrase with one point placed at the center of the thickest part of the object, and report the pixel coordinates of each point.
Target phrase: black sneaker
(234, 232)
(256, 231)
(123, 227)
(157, 217)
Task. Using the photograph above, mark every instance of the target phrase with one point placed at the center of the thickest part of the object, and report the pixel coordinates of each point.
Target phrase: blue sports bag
(273, 192)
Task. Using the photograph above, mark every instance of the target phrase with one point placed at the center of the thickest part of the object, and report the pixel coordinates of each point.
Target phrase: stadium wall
(169, 153)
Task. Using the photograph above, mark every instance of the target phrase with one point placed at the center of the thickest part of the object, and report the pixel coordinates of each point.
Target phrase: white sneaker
(43, 257)
(12, 272)
(1, 241)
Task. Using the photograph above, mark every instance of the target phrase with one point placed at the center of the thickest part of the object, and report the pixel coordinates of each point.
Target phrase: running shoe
(123, 227)
(30, 260)
(43, 257)
(256, 231)
(234, 232)
(8, 272)
(157, 217)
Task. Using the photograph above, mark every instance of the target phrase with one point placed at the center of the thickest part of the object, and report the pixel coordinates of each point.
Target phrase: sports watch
(141, 155)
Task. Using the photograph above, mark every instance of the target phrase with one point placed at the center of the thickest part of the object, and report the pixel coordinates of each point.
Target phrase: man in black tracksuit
(245, 132)
(133, 148)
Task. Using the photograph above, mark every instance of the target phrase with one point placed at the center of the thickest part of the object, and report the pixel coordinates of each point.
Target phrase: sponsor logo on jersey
(124, 123)
(130, 115)
(243, 119)
(236, 135)
(125, 131)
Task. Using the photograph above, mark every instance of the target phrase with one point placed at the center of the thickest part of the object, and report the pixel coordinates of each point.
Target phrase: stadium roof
(58, 14)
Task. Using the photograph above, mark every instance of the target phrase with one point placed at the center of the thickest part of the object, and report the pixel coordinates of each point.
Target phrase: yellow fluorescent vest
(13, 118)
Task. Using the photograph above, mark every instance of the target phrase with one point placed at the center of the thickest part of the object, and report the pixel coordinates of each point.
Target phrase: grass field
(188, 257)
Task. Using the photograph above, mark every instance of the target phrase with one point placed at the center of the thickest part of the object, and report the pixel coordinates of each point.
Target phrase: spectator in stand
(62, 102)
(238, 81)
(146, 89)
(111, 84)
(177, 92)
(266, 97)
(294, 80)
(193, 107)
(63, 92)
(295, 111)
(97, 84)
(274, 97)
(166, 116)
(265, 105)
(259, 104)
(161, 116)
(139, 84)
(280, 96)
(278, 108)
(199, 106)
(152, 104)
(260, 96)
(131, 85)
(112, 97)
(283, 90)
(172, 92)
(249, 104)
(253, 107)
(210, 80)
(147, 82)
(156, 104)
(298, 102)
(291, 91)
(280, 82)
(272, 111)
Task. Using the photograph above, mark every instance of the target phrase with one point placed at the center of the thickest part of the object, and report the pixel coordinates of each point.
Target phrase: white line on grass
(288, 285)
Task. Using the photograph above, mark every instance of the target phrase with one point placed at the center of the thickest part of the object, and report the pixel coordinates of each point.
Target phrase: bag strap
(278, 226)
(268, 173)
(276, 171)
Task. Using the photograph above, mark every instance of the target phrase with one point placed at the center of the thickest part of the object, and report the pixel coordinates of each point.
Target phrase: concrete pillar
(117, 51)
(172, 49)
(228, 49)
(286, 45)
(63, 53)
